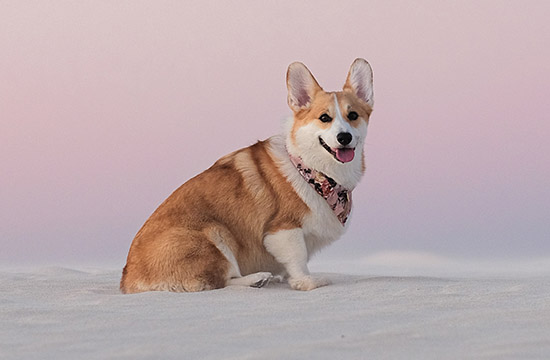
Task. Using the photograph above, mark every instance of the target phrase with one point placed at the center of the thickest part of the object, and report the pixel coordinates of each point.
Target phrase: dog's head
(329, 128)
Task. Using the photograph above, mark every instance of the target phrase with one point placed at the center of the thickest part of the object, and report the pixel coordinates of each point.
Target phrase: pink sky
(106, 107)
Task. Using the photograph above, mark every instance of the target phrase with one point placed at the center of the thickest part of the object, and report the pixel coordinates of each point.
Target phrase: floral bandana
(337, 197)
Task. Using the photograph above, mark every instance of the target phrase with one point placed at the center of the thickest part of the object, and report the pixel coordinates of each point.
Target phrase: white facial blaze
(342, 124)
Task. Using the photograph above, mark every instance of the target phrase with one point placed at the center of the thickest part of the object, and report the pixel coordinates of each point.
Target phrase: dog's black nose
(344, 138)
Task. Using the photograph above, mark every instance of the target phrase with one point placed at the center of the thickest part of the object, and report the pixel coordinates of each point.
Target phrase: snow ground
(375, 313)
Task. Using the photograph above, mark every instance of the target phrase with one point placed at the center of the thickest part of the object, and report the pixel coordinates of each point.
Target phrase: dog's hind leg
(234, 277)
(257, 280)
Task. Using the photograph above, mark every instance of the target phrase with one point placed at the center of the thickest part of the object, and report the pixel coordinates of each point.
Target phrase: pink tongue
(345, 155)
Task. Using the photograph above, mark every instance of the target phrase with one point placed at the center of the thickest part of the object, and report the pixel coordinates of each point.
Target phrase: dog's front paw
(307, 282)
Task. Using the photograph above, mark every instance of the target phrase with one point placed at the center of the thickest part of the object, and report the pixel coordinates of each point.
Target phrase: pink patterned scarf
(337, 197)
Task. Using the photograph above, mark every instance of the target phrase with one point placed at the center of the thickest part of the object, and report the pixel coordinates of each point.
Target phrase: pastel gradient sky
(108, 106)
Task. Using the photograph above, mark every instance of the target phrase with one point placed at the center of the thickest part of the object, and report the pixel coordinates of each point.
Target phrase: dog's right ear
(301, 86)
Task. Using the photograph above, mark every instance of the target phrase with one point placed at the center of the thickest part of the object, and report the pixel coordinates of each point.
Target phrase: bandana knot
(337, 197)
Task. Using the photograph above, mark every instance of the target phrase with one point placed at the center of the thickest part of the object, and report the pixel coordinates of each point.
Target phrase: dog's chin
(342, 155)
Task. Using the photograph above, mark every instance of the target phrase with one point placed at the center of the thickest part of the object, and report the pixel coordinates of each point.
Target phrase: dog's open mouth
(343, 155)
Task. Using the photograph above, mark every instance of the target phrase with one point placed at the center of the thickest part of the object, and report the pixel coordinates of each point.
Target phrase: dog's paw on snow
(308, 282)
(263, 279)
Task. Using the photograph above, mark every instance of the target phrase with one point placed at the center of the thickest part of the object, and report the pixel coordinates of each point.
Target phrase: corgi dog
(260, 213)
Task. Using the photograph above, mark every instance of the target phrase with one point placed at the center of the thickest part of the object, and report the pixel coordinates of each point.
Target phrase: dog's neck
(337, 196)
(348, 175)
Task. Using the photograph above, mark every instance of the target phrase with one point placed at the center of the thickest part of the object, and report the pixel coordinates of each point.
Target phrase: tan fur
(238, 200)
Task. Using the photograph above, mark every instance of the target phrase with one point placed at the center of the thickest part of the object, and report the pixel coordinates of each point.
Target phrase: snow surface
(62, 313)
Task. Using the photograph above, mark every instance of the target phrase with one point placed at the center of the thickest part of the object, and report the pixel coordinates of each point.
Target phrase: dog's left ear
(359, 81)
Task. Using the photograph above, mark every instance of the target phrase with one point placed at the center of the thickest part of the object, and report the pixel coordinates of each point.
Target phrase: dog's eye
(353, 115)
(325, 118)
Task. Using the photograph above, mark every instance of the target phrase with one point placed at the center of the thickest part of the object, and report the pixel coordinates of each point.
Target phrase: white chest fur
(321, 226)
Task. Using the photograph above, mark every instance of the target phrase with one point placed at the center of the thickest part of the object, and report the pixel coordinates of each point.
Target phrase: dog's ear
(359, 81)
(301, 85)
